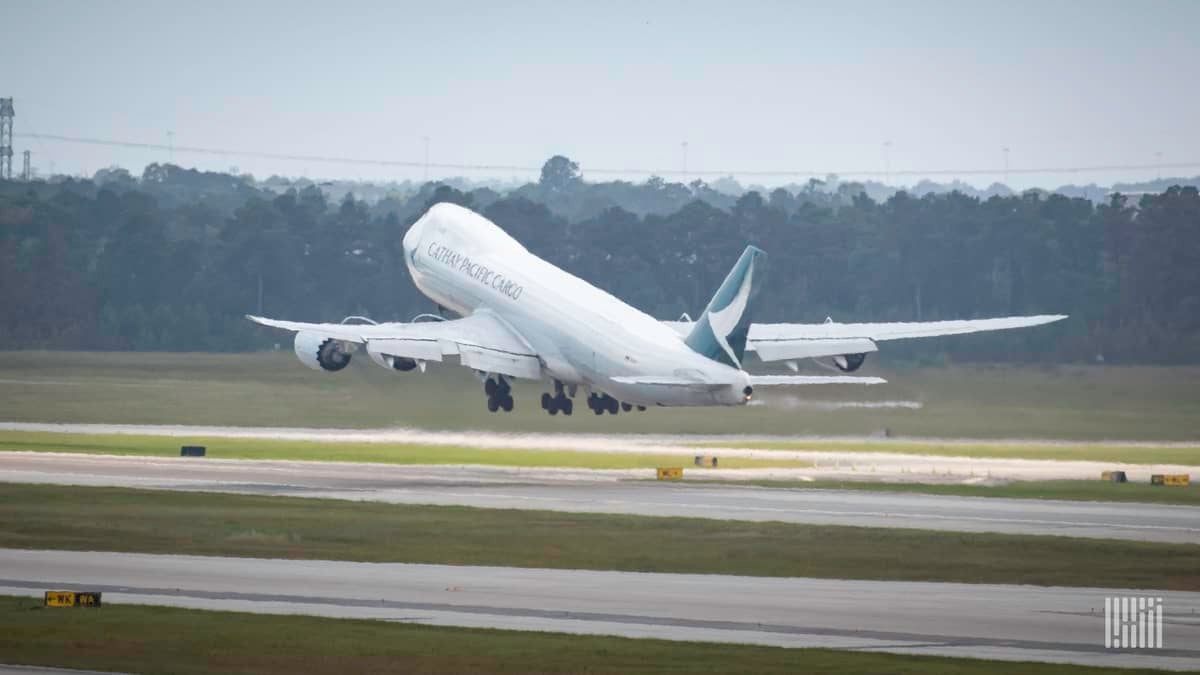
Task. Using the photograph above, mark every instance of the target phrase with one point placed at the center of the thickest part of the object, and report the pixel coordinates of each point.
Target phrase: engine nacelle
(848, 363)
(321, 352)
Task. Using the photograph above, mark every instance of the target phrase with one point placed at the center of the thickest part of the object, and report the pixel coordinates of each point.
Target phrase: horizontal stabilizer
(667, 381)
(796, 380)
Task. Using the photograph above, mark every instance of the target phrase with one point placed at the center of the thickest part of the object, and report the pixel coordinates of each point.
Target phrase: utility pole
(6, 126)
(26, 171)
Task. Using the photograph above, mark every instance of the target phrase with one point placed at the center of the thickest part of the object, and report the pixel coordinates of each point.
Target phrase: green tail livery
(720, 333)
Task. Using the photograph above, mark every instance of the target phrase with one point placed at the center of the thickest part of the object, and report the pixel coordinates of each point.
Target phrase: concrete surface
(966, 620)
(583, 491)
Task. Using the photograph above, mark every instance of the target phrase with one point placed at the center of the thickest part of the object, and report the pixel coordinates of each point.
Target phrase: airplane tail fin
(720, 332)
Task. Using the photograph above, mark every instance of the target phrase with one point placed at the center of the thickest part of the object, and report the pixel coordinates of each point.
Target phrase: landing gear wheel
(568, 406)
(489, 387)
(626, 407)
(493, 404)
(641, 408)
(598, 410)
(548, 402)
(613, 406)
(507, 403)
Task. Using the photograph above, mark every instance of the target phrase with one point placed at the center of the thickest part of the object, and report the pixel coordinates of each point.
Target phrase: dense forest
(172, 259)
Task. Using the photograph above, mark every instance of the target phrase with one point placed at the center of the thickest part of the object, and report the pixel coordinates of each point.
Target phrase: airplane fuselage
(582, 334)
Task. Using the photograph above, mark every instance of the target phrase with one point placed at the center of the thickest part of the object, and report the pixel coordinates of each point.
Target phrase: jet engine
(848, 363)
(323, 353)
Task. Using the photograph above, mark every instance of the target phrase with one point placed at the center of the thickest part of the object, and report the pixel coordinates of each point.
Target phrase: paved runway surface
(983, 621)
(603, 492)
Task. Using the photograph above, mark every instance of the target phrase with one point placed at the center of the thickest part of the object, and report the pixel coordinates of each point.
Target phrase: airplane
(522, 317)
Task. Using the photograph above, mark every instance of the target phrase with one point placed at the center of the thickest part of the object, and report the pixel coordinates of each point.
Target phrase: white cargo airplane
(525, 318)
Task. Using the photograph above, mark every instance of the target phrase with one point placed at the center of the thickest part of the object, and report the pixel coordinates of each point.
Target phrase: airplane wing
(787, 341)
(482, 341)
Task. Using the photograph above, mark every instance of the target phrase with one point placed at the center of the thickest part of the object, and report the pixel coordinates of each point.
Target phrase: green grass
(1076, 490)
(147, 521)
(389, 453)
(273, 389)
(141, 639)
(1188, 455)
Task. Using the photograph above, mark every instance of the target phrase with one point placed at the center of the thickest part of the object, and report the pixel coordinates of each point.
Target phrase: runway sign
(1114, 476)
(191, 451)
(72, 599)
(670, 473)
(706, 460)
(1178, 479)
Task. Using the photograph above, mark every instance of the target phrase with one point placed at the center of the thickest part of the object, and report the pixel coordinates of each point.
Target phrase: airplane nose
(412, 238)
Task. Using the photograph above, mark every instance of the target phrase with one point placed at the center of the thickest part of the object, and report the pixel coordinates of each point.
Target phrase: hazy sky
(760, 86)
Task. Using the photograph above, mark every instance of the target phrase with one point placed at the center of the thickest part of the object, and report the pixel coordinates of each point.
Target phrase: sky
(764, 86)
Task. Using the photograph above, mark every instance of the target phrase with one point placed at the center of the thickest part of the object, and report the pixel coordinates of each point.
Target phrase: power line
(796, 173)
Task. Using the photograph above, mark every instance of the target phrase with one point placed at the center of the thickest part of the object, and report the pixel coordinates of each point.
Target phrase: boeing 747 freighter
(525, 318)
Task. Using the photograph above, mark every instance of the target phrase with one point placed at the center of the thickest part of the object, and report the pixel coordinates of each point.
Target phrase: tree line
(172, 259)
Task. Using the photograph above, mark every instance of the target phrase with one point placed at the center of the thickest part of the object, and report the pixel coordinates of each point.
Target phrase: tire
(626, 407)
(613, 406)
(493, 404)
(489, 387)
(507, 404)
(548, 402)
(568, 406)
(598, 410)
(641, 408)
(553, 411)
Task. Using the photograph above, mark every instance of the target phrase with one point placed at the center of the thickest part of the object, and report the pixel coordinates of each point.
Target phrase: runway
(609, 492)
(966, 620)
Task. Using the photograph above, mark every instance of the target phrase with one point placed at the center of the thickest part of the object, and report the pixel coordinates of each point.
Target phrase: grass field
(1186, 454)
(273, 389)
(147, 521)
(141, 639)
(389, 453)
(1077, 490)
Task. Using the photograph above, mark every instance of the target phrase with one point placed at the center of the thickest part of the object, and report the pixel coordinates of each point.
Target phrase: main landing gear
(603, 403)
(557, 402)
(499, 394)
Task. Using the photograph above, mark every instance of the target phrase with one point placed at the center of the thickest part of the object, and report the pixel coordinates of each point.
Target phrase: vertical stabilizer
(720, 333)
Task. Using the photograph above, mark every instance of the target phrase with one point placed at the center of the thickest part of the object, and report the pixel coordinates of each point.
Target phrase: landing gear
(603, 403)
(499, 394)
(558, 402)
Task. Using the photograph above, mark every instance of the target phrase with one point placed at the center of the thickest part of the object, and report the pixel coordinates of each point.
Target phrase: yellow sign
(72, 599)
(1180, 479)
(670, 473)
(60, 599)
